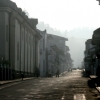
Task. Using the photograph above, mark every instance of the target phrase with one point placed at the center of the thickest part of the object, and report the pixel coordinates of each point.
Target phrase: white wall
(17, 45)
(22, 47)
(26, 48)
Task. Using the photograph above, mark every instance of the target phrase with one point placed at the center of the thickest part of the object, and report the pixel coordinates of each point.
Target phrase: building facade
(18, 37)
(90, 65)
(58, 59)
(43, 41)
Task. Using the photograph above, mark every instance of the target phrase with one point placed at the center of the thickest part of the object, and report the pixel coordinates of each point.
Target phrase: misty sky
(77, 17)
(63, 14)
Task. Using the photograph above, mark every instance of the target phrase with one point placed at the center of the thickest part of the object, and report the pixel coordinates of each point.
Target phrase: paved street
(68, 87)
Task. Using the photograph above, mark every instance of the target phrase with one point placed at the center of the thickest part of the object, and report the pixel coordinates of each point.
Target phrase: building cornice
(18, 17)
(61, 38)
(5, 9)
(11, 5)
(38, 35)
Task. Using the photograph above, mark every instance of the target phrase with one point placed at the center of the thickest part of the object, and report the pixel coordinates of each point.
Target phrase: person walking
(22, 76)
(57, 73)
(49, 73)
(37, 72)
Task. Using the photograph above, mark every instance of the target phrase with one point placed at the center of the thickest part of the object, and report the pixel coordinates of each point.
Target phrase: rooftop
(59, 37)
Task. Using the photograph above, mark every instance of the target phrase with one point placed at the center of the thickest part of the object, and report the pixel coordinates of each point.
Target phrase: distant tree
(42, 26)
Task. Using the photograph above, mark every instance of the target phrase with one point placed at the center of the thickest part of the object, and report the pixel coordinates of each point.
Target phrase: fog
(42, 50)
(77, 43)
(76, 40)
(74, 19)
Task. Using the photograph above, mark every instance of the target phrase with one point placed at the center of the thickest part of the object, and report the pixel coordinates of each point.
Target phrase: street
(71, 86)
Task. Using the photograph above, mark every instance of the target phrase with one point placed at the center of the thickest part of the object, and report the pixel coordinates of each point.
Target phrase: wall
(4, 35)
(43, 55)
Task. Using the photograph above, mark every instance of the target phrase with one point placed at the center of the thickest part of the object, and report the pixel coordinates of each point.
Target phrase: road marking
(9, 85)
(63, 97)
(79, 97)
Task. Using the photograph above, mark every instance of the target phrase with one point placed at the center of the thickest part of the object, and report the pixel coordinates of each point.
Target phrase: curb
(15, 81)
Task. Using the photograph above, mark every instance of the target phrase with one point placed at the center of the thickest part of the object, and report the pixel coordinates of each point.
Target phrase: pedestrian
(22, 76)
(49, 73)
(37, 72)
(57, 73)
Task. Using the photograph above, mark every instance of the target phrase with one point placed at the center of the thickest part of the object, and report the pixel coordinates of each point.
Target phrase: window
(17, 50)
(44, 65)
(7, 32)
(26, 38)
(43, 44)
(22, 35)
(29, 40)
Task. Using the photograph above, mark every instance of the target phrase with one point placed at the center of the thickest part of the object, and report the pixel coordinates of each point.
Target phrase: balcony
(88, 59)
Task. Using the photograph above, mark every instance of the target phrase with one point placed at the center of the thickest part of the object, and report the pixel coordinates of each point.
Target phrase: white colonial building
(18, 40)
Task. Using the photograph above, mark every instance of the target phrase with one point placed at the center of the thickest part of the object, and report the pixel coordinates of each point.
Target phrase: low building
(58, 47)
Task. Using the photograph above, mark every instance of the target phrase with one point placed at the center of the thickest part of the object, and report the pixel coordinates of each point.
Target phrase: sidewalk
(16, 80)
(24, 79)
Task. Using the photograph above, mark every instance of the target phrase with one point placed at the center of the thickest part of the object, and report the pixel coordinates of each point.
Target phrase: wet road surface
(71, 86)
